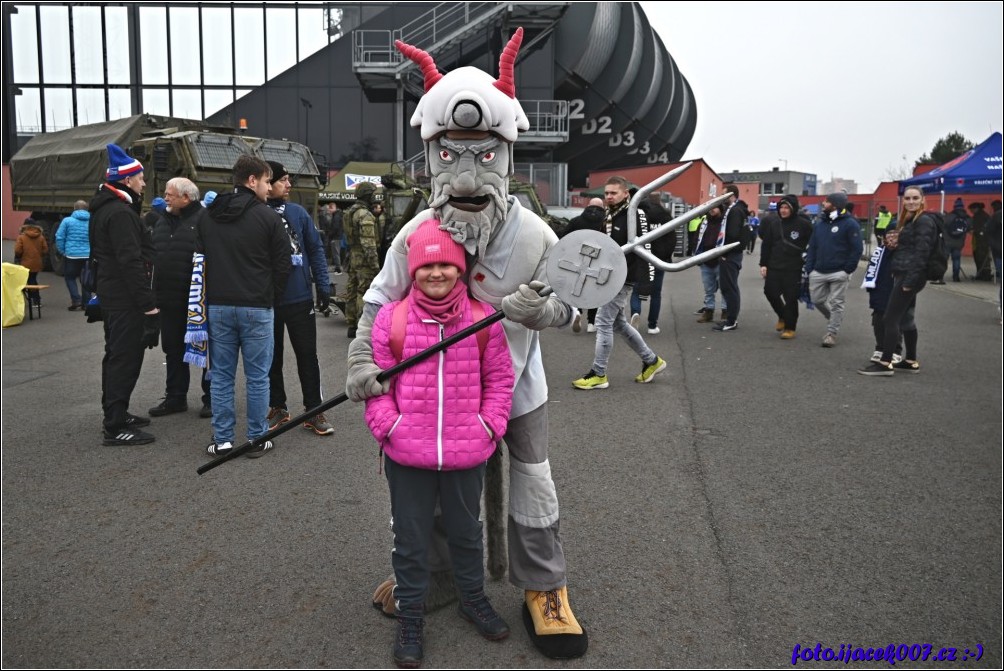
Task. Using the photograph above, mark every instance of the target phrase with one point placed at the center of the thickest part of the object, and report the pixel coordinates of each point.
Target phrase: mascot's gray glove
(527, 307)
(360, 380)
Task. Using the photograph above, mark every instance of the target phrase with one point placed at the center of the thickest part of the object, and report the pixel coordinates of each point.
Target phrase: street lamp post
(307, 106)
(785, 161)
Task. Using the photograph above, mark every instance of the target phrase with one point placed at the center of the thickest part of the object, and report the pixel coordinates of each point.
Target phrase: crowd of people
(801, 260)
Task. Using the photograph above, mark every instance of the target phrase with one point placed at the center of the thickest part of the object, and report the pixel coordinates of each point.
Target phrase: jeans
(248, 331)
(827, 291)
(610, 318)
(709, 278)
(299, 320)
(71, 274)
(36, 298)
(956, 262)
(655, 300)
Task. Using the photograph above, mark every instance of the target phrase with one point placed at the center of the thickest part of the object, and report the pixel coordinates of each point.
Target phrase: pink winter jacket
(448, 412)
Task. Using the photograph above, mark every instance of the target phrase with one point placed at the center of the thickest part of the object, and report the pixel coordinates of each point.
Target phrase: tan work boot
(706, 317)
(551, 612)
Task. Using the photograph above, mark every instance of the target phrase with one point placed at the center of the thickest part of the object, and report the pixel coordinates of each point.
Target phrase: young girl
(437, 426)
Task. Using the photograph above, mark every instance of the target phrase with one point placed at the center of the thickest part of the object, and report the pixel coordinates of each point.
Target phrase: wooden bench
(27, 298)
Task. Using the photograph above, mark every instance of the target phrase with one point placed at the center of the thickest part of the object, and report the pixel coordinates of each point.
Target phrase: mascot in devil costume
(469, 122)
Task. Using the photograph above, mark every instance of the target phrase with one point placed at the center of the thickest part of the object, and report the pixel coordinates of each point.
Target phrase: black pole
(341, 398)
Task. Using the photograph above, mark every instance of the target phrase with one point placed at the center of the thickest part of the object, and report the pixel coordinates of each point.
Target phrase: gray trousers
(536, 557)
(610, 319)
(827, 291)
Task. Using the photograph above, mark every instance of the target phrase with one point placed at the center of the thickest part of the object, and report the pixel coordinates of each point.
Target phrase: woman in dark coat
(917, 234)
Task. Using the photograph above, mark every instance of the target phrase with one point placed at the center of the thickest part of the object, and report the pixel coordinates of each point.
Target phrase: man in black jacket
(785, 238)
(247, 262)
(610, 318)
(731, 263)
(174, 243)
(121, 246)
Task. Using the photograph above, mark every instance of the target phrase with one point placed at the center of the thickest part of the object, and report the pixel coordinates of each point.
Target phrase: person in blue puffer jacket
(74, 245)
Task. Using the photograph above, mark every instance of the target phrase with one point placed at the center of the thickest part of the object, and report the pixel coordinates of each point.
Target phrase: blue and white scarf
(874, 263)
(197, 331)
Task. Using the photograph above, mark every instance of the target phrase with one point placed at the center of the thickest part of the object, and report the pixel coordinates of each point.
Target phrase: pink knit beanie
(429, 244)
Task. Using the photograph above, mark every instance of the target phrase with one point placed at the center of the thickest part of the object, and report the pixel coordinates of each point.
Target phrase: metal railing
(547, 117)
(443, 23)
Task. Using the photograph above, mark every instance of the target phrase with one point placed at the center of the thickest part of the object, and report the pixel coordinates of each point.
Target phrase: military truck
(402, 197)
(528, 198)
(53, 170)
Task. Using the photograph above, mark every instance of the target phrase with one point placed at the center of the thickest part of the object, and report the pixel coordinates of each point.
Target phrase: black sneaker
(207, 411)
(216, 449)
(259, 450)
(127, 436)
(408, 651)
(478, 609)
(167, 407)
(134, 422)
(725, 326)
(877, 369)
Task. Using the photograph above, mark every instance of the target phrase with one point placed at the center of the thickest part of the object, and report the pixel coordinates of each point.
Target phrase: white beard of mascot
(469, 122)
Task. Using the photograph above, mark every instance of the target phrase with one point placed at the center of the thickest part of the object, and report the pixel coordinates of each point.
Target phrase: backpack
(937, 262)
(399, 323)
(958, 227)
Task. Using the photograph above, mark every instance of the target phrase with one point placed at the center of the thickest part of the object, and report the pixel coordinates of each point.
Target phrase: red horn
(506, 83)
(423, 60)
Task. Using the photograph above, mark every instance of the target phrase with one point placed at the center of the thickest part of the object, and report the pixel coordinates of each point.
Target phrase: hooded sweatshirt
(785, 240)
(246, 249)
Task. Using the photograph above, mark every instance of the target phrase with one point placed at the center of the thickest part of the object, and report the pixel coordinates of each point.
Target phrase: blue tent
(976, 171)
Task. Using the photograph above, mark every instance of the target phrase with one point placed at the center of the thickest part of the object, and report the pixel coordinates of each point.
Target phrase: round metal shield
(586, 269)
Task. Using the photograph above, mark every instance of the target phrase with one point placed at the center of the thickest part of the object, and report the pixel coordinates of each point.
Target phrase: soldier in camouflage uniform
(363, 238)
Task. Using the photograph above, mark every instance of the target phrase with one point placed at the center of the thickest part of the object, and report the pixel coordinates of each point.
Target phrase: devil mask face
(469, 122)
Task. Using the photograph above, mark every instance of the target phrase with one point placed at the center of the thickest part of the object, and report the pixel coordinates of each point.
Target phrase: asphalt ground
(757, 495)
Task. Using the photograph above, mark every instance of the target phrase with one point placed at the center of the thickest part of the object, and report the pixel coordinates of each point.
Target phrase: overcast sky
(842, 89)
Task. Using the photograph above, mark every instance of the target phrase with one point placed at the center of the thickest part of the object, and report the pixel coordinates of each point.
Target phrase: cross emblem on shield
(586, 269)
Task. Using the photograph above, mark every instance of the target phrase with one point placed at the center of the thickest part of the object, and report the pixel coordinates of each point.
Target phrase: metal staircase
(379, 65)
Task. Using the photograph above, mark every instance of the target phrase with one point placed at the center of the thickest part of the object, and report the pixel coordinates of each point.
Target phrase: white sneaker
(655, 330)
(591, 328)
(877, 356)
(635, 320)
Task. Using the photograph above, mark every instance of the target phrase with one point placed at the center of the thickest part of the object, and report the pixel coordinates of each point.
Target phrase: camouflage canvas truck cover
(54, 170)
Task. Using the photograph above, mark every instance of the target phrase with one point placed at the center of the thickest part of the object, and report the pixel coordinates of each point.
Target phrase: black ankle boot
(408, 637)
